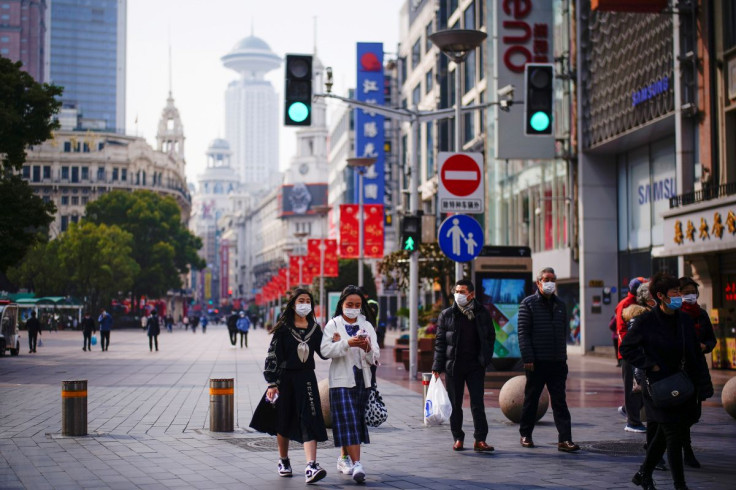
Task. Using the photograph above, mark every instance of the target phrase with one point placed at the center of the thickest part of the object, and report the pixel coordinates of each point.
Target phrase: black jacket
(88, 325)
(654, 339)
(153, 326)
(447, 340)
(543, 328)
(33, 326)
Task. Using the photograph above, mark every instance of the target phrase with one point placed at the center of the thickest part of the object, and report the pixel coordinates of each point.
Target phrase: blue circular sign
(460, 238)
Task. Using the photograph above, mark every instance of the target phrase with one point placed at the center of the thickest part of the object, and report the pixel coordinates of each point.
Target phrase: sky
(200, 32)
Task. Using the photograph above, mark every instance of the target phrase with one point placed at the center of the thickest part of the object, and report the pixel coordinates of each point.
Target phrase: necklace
(302, 350)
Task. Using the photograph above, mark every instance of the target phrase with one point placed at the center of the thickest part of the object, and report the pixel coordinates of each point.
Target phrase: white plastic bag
(437, 407)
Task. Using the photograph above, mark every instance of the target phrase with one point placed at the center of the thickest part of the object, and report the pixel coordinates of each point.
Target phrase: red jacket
(621, 326)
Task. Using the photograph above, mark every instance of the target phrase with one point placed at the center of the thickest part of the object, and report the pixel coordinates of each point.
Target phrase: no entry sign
(461, 183)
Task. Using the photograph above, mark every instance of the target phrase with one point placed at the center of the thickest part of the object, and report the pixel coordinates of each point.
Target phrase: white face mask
(690, 299)
(351, 313)
(548, 287)
(461, 299)
(303, 309)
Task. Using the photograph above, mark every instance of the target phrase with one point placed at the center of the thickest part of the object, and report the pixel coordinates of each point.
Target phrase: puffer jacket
(543, 328)
(445, 345)
(631, 312)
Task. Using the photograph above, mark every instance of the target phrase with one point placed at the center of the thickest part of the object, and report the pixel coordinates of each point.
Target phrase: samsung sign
(642, 95)
(658, 190)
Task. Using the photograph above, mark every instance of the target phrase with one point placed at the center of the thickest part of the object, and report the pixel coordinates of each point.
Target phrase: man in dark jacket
(543, 343)
(88, 328)
(463, 349)
(232, 328)
(34, 329)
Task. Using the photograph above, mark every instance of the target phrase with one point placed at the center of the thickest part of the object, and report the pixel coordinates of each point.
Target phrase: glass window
(416, 53)
(100, 174)
(430, 149)
(124, 174)
(427, 33)
(75, 200)
(67, 147)
(65, 172)
(75, 174)
(85, 173)
(452, 6)
(64, 223)
(26, 172)
(429, 80)
(114, 174)
(47, 171)
(481, 13)
(64, 200)
(85, 200)
(623, 202)
(469, 132)
(641, 216)
(469, 16)
(469, 67)
(663, 185)
(416, 94)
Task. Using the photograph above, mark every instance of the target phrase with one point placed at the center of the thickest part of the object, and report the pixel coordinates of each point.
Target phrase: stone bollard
(222, 405)
(511, 399)
(426, 378)
(728, 397)
(324, 398)
(74, 408)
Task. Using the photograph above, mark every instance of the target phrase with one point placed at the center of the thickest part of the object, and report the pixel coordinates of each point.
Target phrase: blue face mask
(675, 303)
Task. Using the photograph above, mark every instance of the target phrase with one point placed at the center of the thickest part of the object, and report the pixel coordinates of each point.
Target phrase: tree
(26, 108)
(24, 219)
(348, 275)
(434, 266)
(162, 247)
(39, 270)
(97, 263)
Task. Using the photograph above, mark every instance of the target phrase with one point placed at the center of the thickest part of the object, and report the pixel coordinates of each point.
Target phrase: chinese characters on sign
(706, 231)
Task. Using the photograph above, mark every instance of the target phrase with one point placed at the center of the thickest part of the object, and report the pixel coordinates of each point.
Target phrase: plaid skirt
(347, 406)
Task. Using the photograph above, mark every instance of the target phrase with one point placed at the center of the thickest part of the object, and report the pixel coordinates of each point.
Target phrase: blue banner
(369, 133)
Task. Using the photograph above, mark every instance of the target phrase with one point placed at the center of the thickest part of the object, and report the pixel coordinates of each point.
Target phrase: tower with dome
(252, 112)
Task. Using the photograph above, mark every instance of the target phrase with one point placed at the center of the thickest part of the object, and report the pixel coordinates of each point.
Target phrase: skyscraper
(22, 33)
(87, 58)
(251, 112)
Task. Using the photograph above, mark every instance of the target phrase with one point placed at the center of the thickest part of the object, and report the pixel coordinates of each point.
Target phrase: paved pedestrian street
(148, 421)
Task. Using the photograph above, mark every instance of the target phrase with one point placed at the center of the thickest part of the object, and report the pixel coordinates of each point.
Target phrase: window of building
(36, 173)
(481, 13)
(452, 6)
(67, 146)
(75, 218)
(64, 223)
(85, 148)
(469, 67)
(85, 173)
(416, 53)
(26, 172)
(416, 94)
(75, 174)
(75, 200)
(429, 80)
(100, 174)
(47, 171)
(64, 200)
(85, 200)
(469, 132)
(469, 16)
(124, 174)
(115, 174)
(100, 146)
(143, 178)
(65, 172)
(729, 25)
(5, 39)
(427, 32)
(430, 149)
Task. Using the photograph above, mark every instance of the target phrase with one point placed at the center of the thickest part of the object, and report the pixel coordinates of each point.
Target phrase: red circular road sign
(460, 175)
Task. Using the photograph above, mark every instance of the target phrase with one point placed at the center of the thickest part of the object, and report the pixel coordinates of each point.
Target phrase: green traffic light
(539, 121)
(409, 244)
(298, 111)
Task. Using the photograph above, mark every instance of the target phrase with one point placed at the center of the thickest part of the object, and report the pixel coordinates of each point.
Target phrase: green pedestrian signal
(411, 232)
(539, 100)
(298, 90)
(539, 121)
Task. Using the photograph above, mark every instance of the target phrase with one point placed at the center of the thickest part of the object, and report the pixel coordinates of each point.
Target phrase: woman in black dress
(661, 342)
(292, 386)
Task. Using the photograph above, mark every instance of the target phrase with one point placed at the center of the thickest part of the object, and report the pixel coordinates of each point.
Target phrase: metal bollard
(426, 378)
(74, 408)
(222, 405)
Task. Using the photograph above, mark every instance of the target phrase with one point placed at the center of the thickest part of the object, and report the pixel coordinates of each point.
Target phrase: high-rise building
(252, 111)
(87, 44)
(22, 32)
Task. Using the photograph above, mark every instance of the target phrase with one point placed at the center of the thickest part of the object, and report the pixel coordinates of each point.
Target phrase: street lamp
(322, 210)
(457, 44)
(300, 235)
(361, 164)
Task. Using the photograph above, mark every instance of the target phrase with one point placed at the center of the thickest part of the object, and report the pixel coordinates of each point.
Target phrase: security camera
(506, 91)
(328, 82)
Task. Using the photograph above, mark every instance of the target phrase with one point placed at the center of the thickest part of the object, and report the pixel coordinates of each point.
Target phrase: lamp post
(300, 235)
(457, 44)
(322, 210)
(361, 164)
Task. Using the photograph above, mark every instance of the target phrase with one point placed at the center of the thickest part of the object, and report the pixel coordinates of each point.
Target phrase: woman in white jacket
(351, 342)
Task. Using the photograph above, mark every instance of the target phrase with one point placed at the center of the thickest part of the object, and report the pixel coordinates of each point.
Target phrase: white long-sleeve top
(345, 357)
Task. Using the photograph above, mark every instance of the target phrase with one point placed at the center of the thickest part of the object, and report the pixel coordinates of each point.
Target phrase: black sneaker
(284, 467)
(314, 473)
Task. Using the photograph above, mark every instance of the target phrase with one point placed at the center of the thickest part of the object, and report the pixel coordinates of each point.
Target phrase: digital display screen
(501, 297)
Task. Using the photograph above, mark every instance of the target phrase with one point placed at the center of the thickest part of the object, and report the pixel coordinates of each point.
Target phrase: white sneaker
(284, 467)
(313, 472)
(345, 465)
(358, 473)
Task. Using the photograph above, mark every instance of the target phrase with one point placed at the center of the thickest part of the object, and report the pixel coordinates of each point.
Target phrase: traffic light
(411, 233)
(298, 90)
(539, 98)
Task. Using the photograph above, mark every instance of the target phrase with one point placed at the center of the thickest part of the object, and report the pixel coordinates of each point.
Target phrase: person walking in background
(706, 343)
(232, 328)
(153, 328)
(34, 330)
(631, 409)
(243, 325)
(194, 323)
(542, 340)
(185, 322)
(463, 349)
(169, 323)
(350, 341)
(88, 328)
(662, 342)
(292, 385)
(105, 323)
(204, 323)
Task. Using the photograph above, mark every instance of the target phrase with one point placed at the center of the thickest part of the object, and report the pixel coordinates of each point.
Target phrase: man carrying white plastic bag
(463, 350)
(437, 406)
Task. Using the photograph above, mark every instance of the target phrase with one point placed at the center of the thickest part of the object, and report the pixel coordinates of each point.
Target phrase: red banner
(349, 231)
(330, 257)
(373, 235)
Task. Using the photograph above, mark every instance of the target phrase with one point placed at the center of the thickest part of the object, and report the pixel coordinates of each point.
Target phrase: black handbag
(674, 390)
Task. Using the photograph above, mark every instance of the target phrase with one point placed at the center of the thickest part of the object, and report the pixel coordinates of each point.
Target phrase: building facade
(22, 34)
(87, 49)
